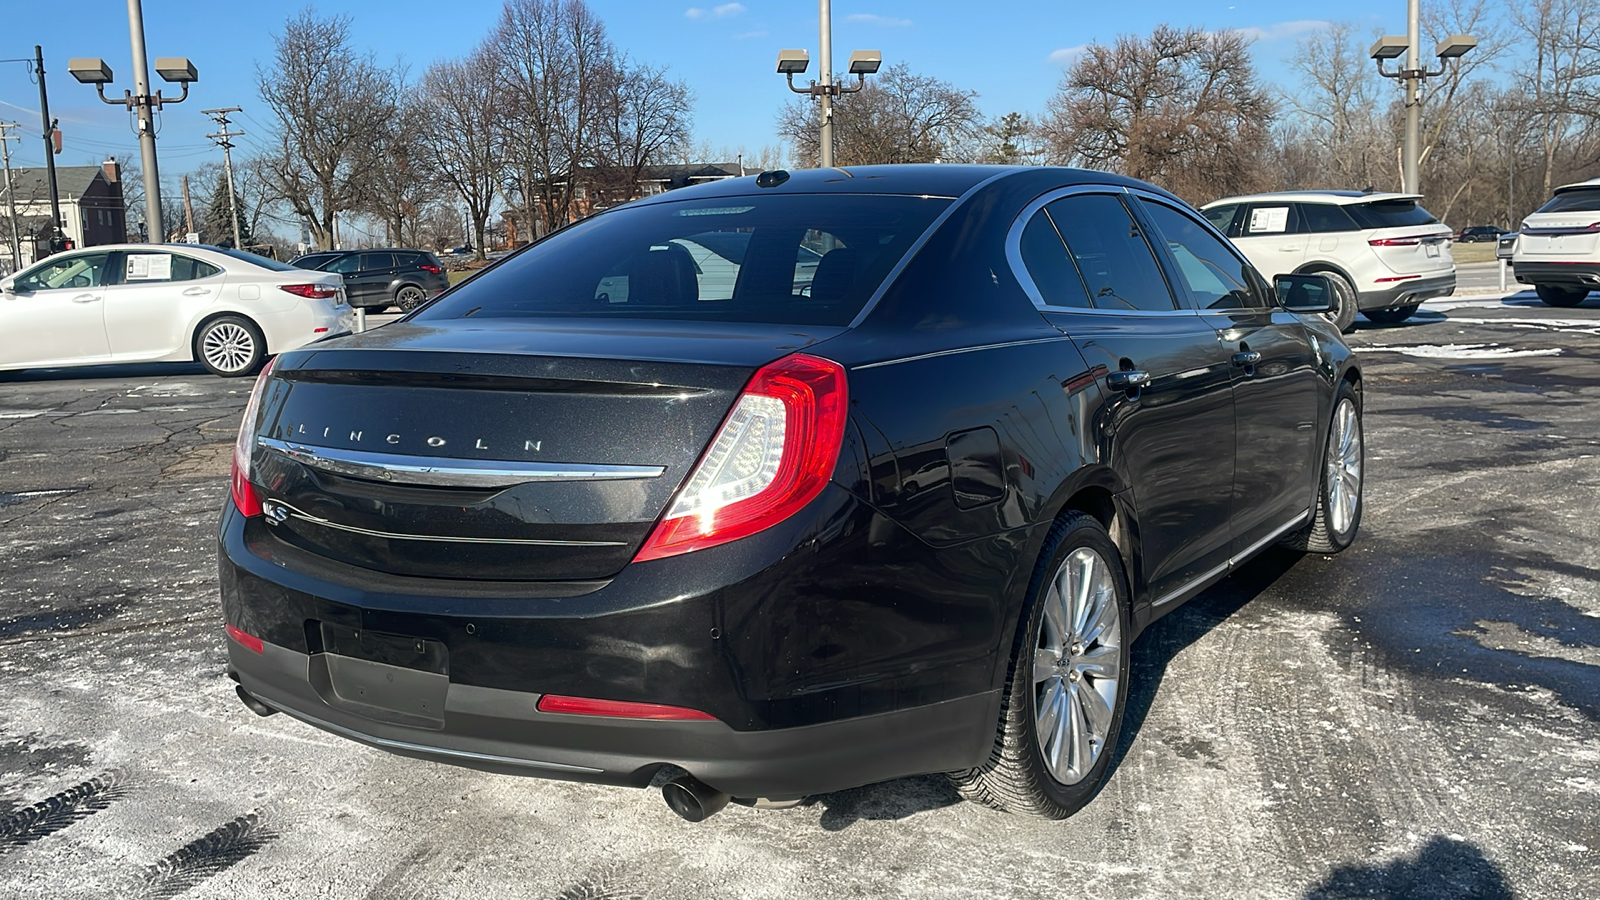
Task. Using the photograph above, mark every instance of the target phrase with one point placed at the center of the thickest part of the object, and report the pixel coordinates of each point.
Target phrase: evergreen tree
(217, 227)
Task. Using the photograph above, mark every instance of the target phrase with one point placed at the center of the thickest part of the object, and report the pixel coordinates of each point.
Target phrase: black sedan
(602, 513)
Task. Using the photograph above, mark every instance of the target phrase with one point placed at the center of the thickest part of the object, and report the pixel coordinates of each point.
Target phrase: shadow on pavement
(115, 370)
(1155, 648)
(1443, 869)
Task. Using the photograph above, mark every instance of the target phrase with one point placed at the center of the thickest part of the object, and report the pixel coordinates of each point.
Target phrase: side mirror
(6, 285)
(1304, 293)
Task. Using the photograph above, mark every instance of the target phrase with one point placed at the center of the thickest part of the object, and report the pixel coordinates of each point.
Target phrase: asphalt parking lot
(1416, 718)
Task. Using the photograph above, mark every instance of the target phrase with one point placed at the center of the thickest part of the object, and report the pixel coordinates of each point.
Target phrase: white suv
(1558, 251)
(1384, 253)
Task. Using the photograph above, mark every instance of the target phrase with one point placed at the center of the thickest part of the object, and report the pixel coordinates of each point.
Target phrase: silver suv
(1558, 251)
(1383, 252)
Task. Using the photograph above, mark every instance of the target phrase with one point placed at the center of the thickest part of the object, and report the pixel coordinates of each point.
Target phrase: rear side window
(1051, 269)
(1583, 200)
(1109, 248)
(377, 261)
(1325, 218)
(789, 258)
(1390, 214)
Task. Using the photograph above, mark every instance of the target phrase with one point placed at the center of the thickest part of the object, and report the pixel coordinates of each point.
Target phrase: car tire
(1057, 662)
(1394, 315)
(1343, 316)
(230, 346)
(1563, 297)
(1334, 523)
(410, 297)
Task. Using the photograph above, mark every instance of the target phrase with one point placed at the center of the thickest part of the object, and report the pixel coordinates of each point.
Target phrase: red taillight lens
(244, 495)
(773, 454)
(311, 291)
(248, 641)
(431, 268)
(583, 706)
(1395, 242)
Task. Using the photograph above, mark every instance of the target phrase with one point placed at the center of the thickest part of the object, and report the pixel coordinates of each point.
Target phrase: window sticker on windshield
(1269, 219)
(149, 267)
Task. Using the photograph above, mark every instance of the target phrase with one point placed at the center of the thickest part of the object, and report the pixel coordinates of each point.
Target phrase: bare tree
(643, 120)
(1561, 78)
(553, 59)
(333, 107)
(1181, 108)
(402, 178)
(465, 147)
(899, 117)
(1337, 103)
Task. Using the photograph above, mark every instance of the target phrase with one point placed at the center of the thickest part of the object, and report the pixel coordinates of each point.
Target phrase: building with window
(92, 209)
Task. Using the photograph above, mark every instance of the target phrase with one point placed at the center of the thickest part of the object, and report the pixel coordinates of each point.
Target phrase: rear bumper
(503, 731)
(1406, 293)
(1584, 275)
(820, 676)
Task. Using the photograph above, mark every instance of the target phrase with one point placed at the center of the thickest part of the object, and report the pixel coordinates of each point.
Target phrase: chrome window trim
(1020, 271)
(927, 235)
(303, 516)
(438, 472)
(957, 350)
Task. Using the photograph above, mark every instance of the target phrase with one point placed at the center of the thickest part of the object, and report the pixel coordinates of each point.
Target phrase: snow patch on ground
(1467, 351)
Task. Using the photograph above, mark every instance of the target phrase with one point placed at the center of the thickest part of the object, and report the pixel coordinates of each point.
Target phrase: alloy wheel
(228, 347)
(1343, 475)
(1077, 666)
(410, 298)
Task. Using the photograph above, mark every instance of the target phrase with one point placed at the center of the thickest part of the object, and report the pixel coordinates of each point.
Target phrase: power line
(223, 138)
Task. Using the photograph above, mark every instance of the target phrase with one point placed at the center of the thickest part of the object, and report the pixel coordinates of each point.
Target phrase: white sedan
(153, 303)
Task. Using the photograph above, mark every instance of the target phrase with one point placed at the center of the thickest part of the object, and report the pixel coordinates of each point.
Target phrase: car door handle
(197, 292)
(1127, 380)
(86, 298)
(1289, 249)
(1247, 357)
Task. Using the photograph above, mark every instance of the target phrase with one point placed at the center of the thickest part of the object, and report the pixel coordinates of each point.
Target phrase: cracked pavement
(1416, 718)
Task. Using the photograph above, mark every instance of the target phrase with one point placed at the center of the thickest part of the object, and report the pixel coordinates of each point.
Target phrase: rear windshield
(1586, 200)
(801, 259)
(1390, 214)
(253, 259)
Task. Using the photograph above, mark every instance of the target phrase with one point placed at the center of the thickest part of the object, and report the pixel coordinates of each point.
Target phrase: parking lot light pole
(1412, 76)
(176, 69)
(795, 62)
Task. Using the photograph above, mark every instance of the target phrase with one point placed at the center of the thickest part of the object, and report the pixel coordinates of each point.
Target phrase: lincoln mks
(787, 484)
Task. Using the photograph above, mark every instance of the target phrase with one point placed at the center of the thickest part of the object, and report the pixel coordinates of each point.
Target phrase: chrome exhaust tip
(691, 798)
(255, 705)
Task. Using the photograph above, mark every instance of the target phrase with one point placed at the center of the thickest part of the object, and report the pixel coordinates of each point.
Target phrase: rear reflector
(319, 331)
(311, 291)
(248, 641)
(773, 454)
(584, 706)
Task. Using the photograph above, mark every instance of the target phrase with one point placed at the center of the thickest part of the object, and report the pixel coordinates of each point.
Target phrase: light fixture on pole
(795, 62)
(1412, 74)
(144, 104)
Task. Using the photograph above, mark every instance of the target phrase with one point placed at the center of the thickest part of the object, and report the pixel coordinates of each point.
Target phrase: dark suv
(377, 278)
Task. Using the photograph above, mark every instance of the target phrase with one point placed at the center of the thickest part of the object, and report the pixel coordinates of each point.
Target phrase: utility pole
(188, 209)
(223, 139)
(49, 149)
(11, 193)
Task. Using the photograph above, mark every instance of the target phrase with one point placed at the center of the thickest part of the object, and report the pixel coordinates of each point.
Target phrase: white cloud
(1066, 56)
(715, 12)
(870, 19)
(1280, 30)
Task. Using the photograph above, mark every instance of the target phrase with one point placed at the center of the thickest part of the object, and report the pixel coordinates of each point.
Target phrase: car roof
(915, 179)
(1591, 183)
(1339, 198)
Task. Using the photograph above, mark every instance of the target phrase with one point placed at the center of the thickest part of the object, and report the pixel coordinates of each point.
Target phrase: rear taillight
(244, 495)
(430, 268)
(585, 706)
(1395, 242)
(773, 454)
(311, 291)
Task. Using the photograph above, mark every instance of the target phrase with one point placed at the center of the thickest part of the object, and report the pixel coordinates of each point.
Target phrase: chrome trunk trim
(278, 512)
(437, 472)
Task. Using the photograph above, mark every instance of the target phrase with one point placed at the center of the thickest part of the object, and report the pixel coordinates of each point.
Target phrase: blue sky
(1012, 54)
